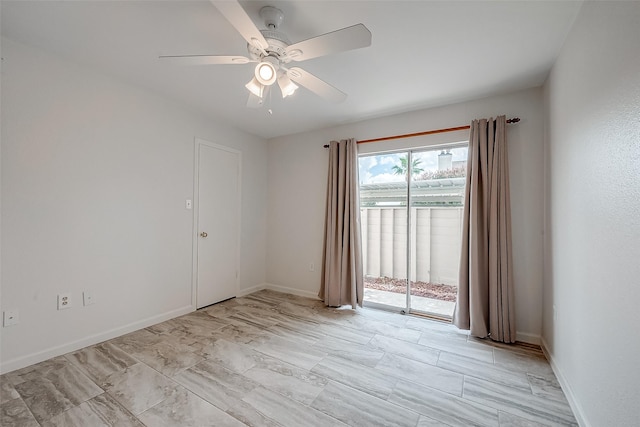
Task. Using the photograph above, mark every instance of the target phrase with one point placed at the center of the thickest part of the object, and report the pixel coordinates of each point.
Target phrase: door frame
(197, 143)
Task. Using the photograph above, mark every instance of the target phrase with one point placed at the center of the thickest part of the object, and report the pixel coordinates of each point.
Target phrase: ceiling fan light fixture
(255, 87)
(266, 73)
(287, 87)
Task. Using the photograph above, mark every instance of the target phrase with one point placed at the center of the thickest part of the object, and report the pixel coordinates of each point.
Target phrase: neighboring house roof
(434, 192)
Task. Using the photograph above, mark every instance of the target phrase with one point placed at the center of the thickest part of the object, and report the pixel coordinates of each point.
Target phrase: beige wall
(592, 244)
(297, 185)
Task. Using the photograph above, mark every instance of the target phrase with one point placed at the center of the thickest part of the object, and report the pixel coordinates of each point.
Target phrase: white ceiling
(423, 53)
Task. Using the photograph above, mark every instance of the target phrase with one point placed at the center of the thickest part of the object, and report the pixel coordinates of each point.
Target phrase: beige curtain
(485, 292)
(342, 281)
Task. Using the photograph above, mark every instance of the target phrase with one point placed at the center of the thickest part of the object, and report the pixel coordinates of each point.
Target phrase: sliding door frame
(410, 151)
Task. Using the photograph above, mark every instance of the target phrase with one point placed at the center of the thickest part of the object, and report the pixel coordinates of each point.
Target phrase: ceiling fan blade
(316, 85)
(237, 16)
(205, 59)
(354, 37)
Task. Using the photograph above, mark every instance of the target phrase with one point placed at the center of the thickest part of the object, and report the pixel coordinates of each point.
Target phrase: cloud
(385, 177)
(429, 160)
(390, 159)
(367, 162)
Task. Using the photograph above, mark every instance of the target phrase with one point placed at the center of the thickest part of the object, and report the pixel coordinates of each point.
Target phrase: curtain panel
(485, 293)
(342, 280)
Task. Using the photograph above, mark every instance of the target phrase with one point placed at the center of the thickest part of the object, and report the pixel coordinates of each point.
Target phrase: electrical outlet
(188, 204)
(64, 301)
(88, 298)
(10, 317)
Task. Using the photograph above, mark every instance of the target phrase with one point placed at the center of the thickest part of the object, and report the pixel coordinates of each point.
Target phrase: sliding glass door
(383, 216)
(411, 213)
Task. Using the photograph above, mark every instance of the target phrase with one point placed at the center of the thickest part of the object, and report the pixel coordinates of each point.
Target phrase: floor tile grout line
(489, 403)
(453, 395)
(303, 404)
(372, 396)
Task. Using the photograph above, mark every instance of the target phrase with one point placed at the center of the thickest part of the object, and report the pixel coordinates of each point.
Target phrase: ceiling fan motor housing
(278, 41)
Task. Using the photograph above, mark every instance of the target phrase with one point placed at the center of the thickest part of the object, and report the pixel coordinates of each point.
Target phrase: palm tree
(401, 169)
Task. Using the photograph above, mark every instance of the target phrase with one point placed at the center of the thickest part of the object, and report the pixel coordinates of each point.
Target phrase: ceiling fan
(273, 52)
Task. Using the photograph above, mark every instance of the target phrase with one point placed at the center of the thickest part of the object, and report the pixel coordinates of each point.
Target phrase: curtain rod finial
(514, 120)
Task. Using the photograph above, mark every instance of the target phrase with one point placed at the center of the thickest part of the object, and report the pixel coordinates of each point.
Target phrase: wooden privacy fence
(435, 243)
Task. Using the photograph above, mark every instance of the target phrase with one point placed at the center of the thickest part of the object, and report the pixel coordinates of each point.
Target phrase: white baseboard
(40, 356)
(576, 407)
(292, 291)
(528, 338)
(247, 291)
(277, 288)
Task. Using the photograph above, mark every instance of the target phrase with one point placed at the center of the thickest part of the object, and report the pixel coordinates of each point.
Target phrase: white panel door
(218, 224)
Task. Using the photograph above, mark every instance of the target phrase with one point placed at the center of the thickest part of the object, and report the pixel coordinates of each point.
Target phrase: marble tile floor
(273, 359)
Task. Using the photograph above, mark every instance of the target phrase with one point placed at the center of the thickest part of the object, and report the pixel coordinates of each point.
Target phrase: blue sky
(377, 168)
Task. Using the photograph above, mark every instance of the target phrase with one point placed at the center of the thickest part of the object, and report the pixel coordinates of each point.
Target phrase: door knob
(203, 234)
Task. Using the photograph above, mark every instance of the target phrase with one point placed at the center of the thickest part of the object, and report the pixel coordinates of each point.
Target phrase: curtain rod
(428, 132)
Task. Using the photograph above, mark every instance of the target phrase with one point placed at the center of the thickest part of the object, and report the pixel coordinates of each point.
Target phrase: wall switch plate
(87, 298)
(64, 301)
(10, 317)
(188, 204)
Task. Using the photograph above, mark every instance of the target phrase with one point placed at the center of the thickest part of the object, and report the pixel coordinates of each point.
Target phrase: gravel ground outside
(438, 291)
